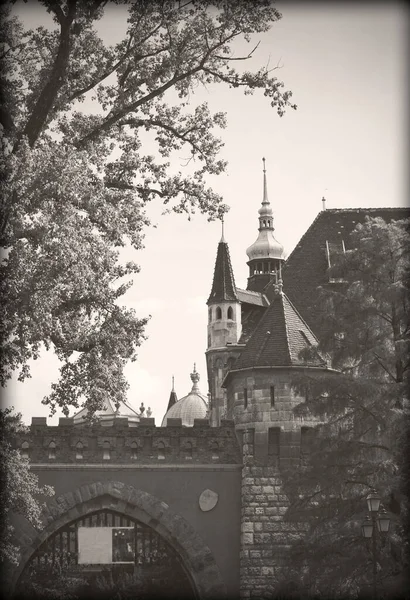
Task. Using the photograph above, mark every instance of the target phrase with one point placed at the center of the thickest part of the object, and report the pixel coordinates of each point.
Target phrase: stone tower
(224, 330)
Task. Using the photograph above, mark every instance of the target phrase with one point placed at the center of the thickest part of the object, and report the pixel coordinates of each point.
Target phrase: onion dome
(190, 407)
(107, 415)
(266, 246)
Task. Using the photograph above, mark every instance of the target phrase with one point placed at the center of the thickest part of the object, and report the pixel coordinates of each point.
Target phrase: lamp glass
(383, 523)
(373, 501)
(367, 528)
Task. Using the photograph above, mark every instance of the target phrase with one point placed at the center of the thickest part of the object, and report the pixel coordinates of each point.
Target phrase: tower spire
(265, 185)
(222, 226)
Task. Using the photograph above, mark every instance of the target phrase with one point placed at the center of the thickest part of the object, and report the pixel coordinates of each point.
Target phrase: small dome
(190, 407)
(266, 246)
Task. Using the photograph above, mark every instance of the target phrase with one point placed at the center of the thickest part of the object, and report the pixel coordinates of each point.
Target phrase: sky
(346, 66)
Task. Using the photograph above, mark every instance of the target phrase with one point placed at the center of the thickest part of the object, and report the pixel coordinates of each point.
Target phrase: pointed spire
(172, 397)
(265, 185)
(222, 236)
(223, 285)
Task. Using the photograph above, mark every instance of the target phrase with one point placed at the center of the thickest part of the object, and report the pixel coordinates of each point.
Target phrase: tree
(363, 417)
(19, 486)
(77, 181)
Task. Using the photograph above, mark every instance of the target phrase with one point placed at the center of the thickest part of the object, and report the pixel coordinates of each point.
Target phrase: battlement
(123, 443)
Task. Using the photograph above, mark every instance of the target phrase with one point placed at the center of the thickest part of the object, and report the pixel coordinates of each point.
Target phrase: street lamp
(379, 520)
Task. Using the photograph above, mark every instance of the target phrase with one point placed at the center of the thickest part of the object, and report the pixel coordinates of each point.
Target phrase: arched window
(52, 450)
(134, 451)
(230, 313)
(218, 313)
(79, 451)
(215, 450)
(106, 451)
(188, 451)
(161, 451)
(259, 267)
(25, 450)
(264, 223)
(268, 223)
(210, 314)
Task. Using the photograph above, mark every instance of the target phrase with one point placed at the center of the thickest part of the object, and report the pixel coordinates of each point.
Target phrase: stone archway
(195, 554)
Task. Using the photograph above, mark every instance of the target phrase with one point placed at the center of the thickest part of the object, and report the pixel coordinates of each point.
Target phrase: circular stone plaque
(208, 500)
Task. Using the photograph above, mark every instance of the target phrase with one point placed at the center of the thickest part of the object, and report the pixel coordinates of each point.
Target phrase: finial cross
(264, 166)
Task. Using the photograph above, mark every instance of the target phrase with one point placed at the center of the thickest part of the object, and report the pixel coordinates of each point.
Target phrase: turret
(224, 329)
(266, 254)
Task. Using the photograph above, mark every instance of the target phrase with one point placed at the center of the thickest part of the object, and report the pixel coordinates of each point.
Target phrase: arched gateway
(129, 534)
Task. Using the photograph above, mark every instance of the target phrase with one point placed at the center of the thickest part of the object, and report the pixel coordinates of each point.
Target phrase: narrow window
(264, 223)
(218, 313)
(215, 450)
(79, 451)
(134, 451)
(25, 450)
(106, 451)
(210, 314)
(52, 450)
(306, 438)
(272, 396)
(259, 267)
(274, 442)
(188, 451)
(161, 451)
(268, 223)
(245, 398)
(230, 313)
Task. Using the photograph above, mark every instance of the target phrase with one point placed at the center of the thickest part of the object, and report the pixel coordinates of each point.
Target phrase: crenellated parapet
(122, 443)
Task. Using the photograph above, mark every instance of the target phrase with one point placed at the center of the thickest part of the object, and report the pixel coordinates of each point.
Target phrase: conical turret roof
(223, 285)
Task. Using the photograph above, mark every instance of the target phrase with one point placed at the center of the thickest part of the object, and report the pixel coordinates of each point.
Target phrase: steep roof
(278, 339)
(223, 286)
(306, 267)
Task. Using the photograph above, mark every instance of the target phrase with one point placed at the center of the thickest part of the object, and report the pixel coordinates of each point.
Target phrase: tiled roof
(306, 267)
(278, 339)
(109, 412)
(223, 286)
(251, 297)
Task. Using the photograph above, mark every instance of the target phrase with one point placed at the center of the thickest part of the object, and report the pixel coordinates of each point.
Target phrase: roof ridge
(300, 317)
(282, 296)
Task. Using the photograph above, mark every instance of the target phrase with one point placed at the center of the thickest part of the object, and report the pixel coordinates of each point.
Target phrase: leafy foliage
(77, 176)
(19, 486)
(363, 414)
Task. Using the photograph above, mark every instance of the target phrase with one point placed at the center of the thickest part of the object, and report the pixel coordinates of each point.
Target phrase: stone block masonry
(265, 535)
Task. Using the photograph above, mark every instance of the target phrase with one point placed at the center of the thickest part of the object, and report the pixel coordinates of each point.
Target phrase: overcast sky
(345, 64)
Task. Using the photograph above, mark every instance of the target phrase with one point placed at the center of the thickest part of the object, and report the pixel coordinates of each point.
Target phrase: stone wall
(265, 534)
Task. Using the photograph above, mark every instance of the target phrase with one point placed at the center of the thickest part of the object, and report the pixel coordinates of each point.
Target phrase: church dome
(190, 407)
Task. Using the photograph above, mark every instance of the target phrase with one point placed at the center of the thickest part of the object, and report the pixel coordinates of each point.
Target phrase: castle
(196, 506)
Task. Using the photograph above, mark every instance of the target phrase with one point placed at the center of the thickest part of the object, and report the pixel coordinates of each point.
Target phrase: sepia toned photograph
(205, 301)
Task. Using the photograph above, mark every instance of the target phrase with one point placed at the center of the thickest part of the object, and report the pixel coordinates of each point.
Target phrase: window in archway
(230, 313)
(134, 451)
(215, 450)
(188, 451)
(52, 450)
(218, 313)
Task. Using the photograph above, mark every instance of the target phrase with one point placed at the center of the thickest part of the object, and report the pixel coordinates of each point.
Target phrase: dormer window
(230, 313)
(24, 451)
(52, 450)
(333, 252)
(218, 313)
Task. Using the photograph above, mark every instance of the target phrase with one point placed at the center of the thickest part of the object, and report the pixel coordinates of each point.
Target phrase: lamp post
(378, 519)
